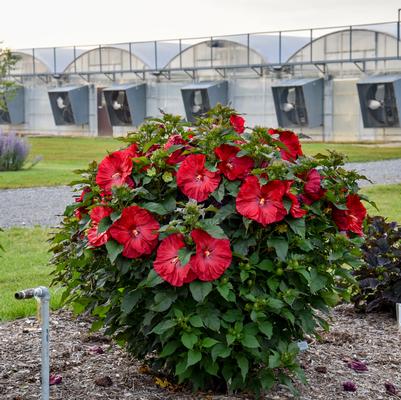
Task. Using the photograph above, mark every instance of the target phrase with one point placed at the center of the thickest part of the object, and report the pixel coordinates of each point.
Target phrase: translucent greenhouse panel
(292, 43)
(385, 38)
(28, 64)
(166, 51)
(146, 52)
(48, 57)
(267, 45)
(87, 60)
(65, 56)
(195, 53)
(233, 50)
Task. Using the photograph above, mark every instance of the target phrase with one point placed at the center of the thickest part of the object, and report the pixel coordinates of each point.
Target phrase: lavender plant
(13, 152)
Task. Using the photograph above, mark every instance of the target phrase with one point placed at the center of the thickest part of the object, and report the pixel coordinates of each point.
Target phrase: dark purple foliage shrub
(379, 278)
(13, 152)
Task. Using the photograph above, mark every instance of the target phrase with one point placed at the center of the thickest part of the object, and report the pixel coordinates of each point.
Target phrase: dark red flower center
(199, 177)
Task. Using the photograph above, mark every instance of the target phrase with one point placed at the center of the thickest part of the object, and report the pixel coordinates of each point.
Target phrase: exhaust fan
(380, 98)
(200, 97)
(299, 102)
(70, 105)
(126, 104)
(13, 107)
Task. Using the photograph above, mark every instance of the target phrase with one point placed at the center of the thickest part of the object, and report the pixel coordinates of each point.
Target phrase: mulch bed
(92, 367)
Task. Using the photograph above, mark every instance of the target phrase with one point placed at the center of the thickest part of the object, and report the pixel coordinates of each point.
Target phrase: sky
(42, 23)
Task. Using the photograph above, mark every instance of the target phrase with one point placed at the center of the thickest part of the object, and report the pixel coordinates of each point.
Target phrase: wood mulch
(92, 367)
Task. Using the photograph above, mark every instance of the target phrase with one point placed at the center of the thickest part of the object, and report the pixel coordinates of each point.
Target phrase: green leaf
(209, 225)
(115, 215)
(184, 255)
(194, 356)
(114, 249)
(266, 328)
(169, 348)
(267, 379)
(218, 194)
(200, 290)
(209, 342)
(196, 321)
(163, 301)
(104, 224)
(130, 300)
(317, 281)
(274, 360)
(232, 187)
(156, 208)
(163, 326)
(170, 203)
(298, 226)
(243, 363)
(220, 350)
(152, 280)
(280, 245)
(242, 246)
(189, 339)
(226, 292)
(266, 265)
(224, 212)
(250, 341)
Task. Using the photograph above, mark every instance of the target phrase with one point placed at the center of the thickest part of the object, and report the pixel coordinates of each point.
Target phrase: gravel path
(43, 206)
(34, 206)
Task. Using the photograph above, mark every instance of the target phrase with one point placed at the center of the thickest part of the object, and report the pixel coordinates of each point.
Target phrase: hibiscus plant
(211, 250)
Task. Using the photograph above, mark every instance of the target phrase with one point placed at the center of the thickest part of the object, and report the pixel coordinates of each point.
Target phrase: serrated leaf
(280, 245)
(114, 249)
(194, 356)
(196, 321)
(156, 208)
(220, 350)
(298, 226)
(130, 300)
(250, 341)
(169, 348)
(243, 364)
(200, 290)
(189, 339)
(163, 326)
(266, 328)
(184, 255)
(209, 225)
(209, 342)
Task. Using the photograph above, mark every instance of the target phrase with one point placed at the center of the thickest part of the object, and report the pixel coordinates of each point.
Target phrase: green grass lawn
(388, 200)
(62, 155)
(23, 265)
(355, 152)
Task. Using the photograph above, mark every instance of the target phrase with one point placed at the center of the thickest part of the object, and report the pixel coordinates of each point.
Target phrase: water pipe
(42, 294)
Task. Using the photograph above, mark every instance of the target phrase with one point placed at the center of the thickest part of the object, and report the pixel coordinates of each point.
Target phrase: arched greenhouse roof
(355, 43)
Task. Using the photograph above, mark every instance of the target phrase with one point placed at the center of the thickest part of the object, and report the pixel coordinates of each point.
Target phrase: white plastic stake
(398, 310)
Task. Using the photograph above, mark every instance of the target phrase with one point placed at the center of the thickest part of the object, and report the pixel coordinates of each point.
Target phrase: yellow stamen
(262, 201)
(207, 253)
(135, 232)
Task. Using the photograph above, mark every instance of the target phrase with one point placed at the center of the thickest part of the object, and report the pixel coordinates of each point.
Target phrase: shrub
(211, 250)
(379, 277)
(13, 152)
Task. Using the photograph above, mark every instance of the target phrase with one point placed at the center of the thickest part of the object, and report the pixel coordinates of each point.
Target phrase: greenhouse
(273, 78)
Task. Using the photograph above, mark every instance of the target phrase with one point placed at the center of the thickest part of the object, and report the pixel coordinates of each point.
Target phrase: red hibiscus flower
(137, 230)
(95, 238)
(296, 211)
(231, 166)
(263, 204)
(313, 190)
(167, 263)
(352, 218)
(194, 180)
(80, 211)
(132, 151)
(293, 146)
(114, 170)
(237, 123)
(176, 156)
(213, 256)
